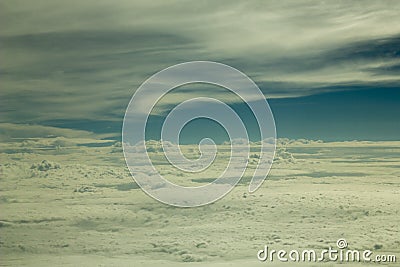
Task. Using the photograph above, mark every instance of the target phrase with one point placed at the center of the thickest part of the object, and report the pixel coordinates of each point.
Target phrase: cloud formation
(84, 59)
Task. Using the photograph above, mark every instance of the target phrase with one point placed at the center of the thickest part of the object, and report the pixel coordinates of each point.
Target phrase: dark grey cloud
(374, 49)
(390, 69)
(79, 74)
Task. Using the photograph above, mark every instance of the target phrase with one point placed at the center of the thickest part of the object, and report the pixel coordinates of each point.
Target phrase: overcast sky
(82, 60)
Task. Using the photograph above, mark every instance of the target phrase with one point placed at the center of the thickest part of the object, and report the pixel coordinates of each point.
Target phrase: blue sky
(330, 70)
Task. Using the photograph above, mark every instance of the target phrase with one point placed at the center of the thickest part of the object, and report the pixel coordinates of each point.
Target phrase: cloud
(84, 59)
(11, 132)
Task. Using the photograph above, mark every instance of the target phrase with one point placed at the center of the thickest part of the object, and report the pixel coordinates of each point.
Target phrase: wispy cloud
(84, 59)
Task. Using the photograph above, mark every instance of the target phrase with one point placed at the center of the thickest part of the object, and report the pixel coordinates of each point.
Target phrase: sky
(329, 69)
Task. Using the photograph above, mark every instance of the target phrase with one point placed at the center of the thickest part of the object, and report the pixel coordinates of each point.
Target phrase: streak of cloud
(80, 60)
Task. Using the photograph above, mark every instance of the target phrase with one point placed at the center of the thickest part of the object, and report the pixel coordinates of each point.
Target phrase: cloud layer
(83, 60)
